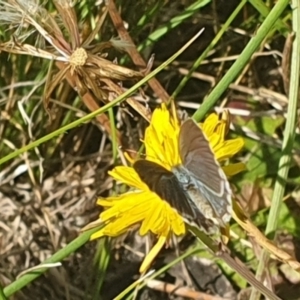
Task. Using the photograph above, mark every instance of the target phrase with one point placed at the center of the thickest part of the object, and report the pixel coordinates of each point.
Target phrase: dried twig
(135, 56)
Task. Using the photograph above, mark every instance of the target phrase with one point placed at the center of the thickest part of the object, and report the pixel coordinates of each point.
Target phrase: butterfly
(197, 189)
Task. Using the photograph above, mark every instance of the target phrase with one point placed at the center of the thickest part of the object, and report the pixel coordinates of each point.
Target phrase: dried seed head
(78, 58)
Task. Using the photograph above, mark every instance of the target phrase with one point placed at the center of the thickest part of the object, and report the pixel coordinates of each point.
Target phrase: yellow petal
(162, 219)
(234, 169)
(176, 221)
(143, 207)
(152, 254)
(161, 140)
(210, 124)
(228, 148)
(132, 203)
(154, 146)
(160, 121)
(153, 218)
(225, 234)
(214, 141)
(221, 128)
(97, 235)
(171, 147)
(129, 176)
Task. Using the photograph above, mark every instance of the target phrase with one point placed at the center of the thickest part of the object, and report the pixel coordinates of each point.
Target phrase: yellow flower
(141, 206)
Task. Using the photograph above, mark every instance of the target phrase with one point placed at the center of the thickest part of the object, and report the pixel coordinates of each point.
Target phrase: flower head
(143, 207)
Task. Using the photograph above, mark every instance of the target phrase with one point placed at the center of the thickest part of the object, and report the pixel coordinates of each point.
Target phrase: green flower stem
(102, 109)
(287, 145)
(57, 257)
(208, 49)
(242, 60)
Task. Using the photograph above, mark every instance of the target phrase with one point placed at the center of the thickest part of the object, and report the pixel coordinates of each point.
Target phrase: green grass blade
(174, 22)
(261, 7)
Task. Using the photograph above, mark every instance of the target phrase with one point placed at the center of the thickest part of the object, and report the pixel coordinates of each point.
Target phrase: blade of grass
(2, 296)
(287, 145)
(114, 135)
(210, 47)
(174, 22)
(243, 59)
(102, 109)
(261, 7)
(132, 51)
(101, 262)
(148, 16)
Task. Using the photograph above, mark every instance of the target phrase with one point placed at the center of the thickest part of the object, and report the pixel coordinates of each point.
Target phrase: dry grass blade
(104, 68)
(179, 291)
(96, 30)
(51, 85)
(68, 15)
(132, 51)
(34, 15)
(241, 269)
(145, 113)
(18, 48)
(86, 81)
(286, 62)
(252, 230)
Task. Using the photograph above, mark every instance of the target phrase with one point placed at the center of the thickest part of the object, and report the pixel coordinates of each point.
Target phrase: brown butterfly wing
(198, 158)
(165, 184)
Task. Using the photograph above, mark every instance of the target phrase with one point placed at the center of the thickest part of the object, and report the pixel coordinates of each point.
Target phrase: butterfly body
(198, 188)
